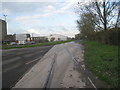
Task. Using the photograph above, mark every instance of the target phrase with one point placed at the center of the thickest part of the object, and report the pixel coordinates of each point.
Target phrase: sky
(41, 17)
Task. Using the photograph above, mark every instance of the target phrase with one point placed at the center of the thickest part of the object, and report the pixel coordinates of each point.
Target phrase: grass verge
(102, 60)
(34, 45)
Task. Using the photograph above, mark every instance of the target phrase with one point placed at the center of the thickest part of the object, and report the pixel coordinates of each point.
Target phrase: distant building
(39, 39)
(22, 38)
(3, 29)
(9, 38)
(57, 37)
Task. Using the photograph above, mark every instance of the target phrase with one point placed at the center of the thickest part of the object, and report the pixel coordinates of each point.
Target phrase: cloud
(42, 19)
(32, 22)
(68, 8)
(32, 0)
(37, 32)
(12, 8)
(23, 0)
(56, 29)
(50, 8)
(32, 17)
(6, 11)
(23, 7)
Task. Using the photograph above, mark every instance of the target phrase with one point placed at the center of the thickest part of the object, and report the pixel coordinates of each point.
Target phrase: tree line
(99, 21)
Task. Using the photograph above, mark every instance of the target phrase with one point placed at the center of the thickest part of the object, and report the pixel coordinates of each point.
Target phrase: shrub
(110, 36)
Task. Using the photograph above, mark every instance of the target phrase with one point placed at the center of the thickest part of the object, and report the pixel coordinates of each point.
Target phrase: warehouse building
(57, 37)
(39, 39)
(22, 38)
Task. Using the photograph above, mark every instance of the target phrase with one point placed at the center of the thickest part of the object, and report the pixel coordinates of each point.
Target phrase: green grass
(34, 45)
(102, 60)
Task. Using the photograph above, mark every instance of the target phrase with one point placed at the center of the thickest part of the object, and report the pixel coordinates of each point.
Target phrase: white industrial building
(57, 37)
(22, 38)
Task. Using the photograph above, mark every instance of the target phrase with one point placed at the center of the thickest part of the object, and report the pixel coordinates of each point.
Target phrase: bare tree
(104, 11)
(117, 24)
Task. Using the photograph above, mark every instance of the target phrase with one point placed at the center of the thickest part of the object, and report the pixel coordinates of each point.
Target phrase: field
(102, 60)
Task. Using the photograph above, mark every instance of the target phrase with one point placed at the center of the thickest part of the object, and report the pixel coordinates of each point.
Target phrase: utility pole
(5, 16)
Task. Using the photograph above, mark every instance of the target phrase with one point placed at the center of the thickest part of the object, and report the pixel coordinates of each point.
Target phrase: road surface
(16, 62)
(62, 67)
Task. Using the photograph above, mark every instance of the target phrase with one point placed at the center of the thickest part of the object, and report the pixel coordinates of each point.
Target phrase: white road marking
(32, 61)
(10, 60)
(92, 83)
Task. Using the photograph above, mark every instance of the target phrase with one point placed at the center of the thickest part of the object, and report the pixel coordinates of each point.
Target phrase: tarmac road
(16, 62)
(62, 67)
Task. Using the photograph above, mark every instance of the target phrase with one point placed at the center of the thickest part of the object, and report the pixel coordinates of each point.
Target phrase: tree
(105, 12)
(86, 24)
(117, 24)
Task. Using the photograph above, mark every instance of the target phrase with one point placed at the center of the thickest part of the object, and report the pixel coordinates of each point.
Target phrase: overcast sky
(41, 18)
